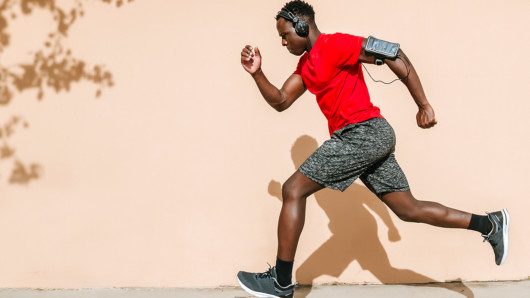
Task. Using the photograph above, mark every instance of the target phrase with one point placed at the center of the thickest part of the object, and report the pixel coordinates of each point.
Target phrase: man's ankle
(284, 271)
(480, 224)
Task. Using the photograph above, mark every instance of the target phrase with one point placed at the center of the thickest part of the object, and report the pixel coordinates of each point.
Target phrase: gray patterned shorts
(361, 150)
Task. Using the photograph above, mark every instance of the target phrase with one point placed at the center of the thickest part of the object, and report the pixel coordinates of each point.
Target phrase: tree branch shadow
(52, 67)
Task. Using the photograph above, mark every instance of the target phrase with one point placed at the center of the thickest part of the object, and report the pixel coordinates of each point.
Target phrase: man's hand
(251, 60)
(279, 99)
(425, 117)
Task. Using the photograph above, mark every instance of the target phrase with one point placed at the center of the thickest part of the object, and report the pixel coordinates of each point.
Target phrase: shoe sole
(505, 229)
(257, 294)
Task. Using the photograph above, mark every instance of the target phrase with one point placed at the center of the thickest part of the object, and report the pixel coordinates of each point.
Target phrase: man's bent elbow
(280, 107)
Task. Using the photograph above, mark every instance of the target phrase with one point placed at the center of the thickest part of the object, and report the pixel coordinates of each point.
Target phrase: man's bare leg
(291, 222)
(407, 208)
(494, 227)
(292, 216)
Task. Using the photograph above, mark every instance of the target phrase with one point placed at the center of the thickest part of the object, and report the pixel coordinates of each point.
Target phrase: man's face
(295, 44)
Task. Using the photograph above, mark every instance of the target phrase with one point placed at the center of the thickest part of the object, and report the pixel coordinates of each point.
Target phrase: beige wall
(163, 180)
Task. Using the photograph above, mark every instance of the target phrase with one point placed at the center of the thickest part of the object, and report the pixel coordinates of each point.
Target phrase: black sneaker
(498, 237)
(264, 284)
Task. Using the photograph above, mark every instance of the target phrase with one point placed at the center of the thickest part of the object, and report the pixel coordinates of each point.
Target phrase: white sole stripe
(257, 294)
(505, 230)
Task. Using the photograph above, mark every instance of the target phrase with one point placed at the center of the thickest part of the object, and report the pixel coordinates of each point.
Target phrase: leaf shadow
(52, 67)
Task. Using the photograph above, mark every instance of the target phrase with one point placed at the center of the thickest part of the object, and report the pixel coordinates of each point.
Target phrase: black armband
(381, 50)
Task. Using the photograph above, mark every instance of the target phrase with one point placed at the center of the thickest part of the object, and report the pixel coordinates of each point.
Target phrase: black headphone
(300, 26)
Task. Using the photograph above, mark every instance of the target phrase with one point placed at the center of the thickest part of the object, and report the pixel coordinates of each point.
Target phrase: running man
(361, 145)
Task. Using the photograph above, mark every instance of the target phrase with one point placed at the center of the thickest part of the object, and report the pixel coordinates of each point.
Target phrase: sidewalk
(509, 289)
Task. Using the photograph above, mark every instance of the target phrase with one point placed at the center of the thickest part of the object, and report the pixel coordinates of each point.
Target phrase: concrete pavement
(505, 289)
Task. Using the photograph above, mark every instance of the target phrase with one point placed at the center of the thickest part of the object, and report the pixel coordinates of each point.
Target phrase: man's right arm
(279, 99)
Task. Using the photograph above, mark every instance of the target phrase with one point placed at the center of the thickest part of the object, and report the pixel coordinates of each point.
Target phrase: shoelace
(487, 237)
(266, 274)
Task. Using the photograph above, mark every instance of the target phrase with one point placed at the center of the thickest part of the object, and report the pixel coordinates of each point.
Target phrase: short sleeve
(343, 49)
(301, 62)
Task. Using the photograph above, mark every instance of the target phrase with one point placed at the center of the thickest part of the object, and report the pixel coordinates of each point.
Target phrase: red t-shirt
(331, 72)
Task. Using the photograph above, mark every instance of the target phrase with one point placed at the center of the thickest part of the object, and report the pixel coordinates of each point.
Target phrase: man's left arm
(425, 116)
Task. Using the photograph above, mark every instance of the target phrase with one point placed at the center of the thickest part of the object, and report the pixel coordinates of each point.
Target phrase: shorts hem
(380, 193)
(322, 183)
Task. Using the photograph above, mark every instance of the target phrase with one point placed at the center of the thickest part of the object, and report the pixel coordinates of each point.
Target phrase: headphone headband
(300, 26)
(287, 14)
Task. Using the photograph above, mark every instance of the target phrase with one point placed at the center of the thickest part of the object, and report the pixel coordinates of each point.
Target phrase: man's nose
(284, 42)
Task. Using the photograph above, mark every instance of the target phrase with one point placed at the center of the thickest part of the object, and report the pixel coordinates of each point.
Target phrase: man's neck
(312, 38)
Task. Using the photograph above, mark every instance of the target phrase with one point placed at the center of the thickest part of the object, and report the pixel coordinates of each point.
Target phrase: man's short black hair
(300, 9)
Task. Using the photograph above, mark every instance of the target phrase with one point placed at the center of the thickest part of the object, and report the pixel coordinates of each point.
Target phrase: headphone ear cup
(302, 28)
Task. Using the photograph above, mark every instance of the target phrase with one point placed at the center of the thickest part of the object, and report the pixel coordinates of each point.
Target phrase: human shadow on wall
(354, 234)
(52, 66)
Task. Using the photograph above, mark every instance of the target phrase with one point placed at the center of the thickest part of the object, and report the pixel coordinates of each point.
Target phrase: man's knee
(421, 211)
(288, 190)
(291, 190)
(299, 187)
(408, 215)
(404, 205)
(411, 212)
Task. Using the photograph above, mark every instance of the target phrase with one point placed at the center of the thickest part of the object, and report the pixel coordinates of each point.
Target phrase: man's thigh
(385, 176)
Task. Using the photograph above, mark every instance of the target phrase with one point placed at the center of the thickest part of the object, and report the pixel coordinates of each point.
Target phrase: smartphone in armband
(381, 49)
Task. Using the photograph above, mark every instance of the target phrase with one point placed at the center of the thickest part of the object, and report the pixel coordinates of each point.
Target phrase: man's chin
(298, 53)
